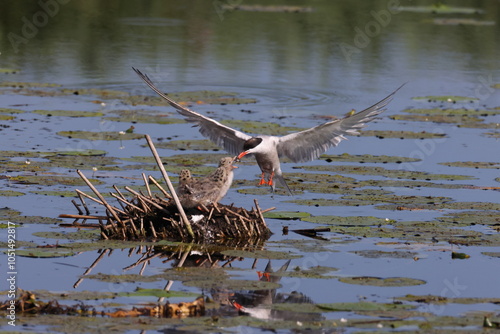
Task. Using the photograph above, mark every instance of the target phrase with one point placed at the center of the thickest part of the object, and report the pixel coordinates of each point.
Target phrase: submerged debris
(27, 303)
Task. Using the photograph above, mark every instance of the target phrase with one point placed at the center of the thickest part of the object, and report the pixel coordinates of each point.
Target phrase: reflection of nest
(149, 216)
(224, 301)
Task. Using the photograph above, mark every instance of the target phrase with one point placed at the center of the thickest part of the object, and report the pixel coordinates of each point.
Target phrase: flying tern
(300, 146)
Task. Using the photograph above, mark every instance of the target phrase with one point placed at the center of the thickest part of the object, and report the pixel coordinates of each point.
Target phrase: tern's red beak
(242, 154)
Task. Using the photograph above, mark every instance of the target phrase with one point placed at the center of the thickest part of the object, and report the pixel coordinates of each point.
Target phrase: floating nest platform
(149, 216)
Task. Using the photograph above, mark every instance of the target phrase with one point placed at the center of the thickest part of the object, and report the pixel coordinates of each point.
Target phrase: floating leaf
(346, 221)
(233, 284)
(9, 70)
(82, 153)
(375, 254)
(44, 252)
(104, 135)
(157, 293)
(382, 282)
(27, 84)
(462, 21)
(472, 164)
(286, 215)
(362, 306)
(261, 254)
(79, 235)
(11, 193)
(439, 8)
(69, 113)
(492, 254)
(401, 134)
(366, 158)
(452, 112)
(446, 98)
(193, 145)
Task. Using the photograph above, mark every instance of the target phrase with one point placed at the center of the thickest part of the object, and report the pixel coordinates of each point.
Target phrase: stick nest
(156, 217)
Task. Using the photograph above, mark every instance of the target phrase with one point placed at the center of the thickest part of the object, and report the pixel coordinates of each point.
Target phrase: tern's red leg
(262, 180)
(270, 182)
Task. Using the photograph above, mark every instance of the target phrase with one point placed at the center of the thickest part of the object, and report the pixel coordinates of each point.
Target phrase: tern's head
(251, 146)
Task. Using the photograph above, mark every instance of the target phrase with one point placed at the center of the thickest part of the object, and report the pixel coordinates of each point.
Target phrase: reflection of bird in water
(300, 146)
(258, 303)
(207, 190)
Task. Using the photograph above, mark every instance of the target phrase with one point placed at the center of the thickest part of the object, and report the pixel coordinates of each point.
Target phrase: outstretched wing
(309, 144)
(230, 139)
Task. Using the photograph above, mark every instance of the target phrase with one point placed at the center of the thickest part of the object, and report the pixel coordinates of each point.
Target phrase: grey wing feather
(309, 144)
(230, 139)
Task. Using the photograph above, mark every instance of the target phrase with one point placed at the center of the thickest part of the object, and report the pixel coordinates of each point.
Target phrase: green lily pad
(446, 98)
(366, 158)
(102, 93)
(44, 252)
(131, 278)
(14, 216)
(27, 84)
(326, 202)
(194, 97)
(362, 306)
(327, 179)
(261, 254)
(6, 117)
(316, 272)
(487, 216)
(286, 215)
(462, 21)
(79, 235)
(69, 113)
(389, 173)
(51, 180)
(157, 293)
(433, 299)
(479, 125)
(266, 190)
(492, 254)
(11, 193)
(55, 193)
(346, 221)
(134, 116)
(11, 111)
(82, 153)
(401, 134)
(375, 254)
(472, 164)
(382, 282)
(104, 135)
(268, 8)
(193, 145)
(9, 70)
(495, 135)
(439, 9)
(452, 112)
(460, 119)
(233, 284)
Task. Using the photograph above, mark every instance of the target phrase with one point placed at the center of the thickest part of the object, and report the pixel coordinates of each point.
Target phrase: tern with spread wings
(300, 146)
